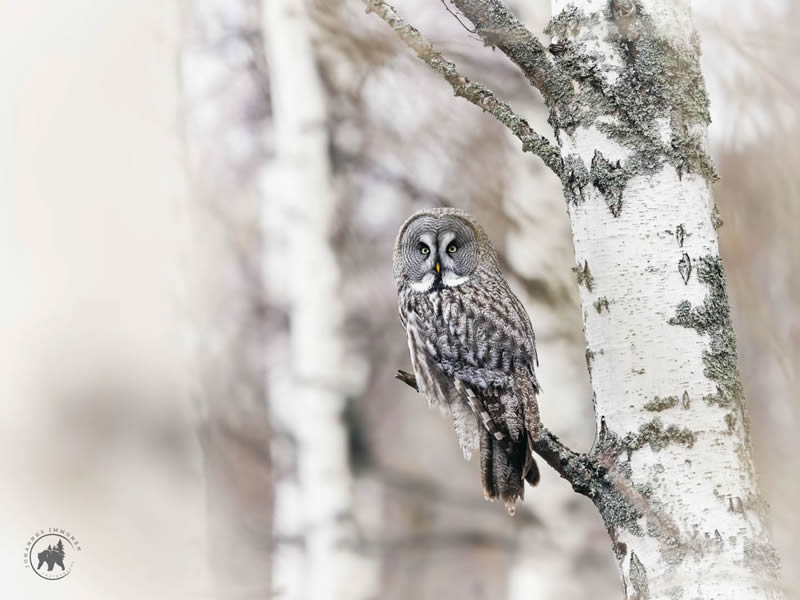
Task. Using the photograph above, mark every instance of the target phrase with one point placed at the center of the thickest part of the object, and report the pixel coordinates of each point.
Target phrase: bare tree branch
(582, 471)
(474, 92)
(498, 27)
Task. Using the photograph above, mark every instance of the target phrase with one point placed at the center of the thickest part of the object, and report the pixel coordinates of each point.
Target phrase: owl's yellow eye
(424, 250)
(452, 248)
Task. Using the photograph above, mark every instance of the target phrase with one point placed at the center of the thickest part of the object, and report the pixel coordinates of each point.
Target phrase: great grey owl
(471, 343)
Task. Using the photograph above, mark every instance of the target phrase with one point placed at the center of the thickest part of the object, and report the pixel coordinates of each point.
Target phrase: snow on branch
(472, 91)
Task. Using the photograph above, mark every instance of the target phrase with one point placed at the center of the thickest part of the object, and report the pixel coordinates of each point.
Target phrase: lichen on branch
(472, 91)
(599, 475)
(498, 27)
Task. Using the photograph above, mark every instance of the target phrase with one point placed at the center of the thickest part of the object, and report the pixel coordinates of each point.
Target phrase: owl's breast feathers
(480, 335)
(473, 353)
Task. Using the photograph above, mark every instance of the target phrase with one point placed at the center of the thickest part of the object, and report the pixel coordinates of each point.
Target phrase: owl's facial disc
(439, 253)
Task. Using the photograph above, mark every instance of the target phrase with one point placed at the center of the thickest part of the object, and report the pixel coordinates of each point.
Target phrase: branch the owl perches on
(587, 473)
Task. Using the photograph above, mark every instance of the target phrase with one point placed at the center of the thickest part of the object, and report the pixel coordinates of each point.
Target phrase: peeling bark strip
(628, 104)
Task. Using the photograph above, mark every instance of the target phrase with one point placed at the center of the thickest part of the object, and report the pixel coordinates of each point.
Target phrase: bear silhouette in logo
(52, 556)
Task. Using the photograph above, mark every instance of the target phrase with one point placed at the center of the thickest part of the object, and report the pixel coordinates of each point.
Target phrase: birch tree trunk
(563, 556)
(317, 553)
(672, 419)
(671, 471)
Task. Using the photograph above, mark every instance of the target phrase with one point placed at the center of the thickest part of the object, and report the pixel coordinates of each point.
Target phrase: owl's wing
(525, 321)
(486, 340)
(489, 349)
(439, 388)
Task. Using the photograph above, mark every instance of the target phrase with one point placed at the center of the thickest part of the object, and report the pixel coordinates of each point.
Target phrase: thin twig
(456, 17)
(474, 92)
(407, 378)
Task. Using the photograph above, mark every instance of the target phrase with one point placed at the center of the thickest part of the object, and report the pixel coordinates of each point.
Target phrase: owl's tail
(504, 472)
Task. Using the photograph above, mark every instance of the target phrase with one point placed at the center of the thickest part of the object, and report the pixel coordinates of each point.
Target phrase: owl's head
(440, 248)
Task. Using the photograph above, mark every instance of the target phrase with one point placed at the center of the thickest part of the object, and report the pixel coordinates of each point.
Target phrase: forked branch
(473, 91)
(498, 27)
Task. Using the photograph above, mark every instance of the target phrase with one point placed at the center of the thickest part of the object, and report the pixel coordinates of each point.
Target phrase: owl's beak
(438, 268)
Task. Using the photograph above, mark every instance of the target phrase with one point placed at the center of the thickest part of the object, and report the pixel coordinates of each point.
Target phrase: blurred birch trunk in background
(225, 113)
(317, 552)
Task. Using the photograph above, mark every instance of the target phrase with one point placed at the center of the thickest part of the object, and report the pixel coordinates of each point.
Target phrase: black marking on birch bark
(584, 275)
(713, 318)
(574, 178)
(600, 304)
(654, 434)
(718, 538)
(680, 234)
(660, 82)
(620, 549)
(735, 505)
(589, 360)
(657, 404)
(638, 577)
(610, 180)
(685, 400)
(716, 219)
(685, 268)
(730, 421)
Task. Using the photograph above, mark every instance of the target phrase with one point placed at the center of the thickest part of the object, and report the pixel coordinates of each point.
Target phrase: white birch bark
(664, 375)
(563, 556)
(317, 554)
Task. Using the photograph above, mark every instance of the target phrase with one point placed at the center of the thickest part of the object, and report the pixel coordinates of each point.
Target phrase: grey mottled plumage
(471, 344)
